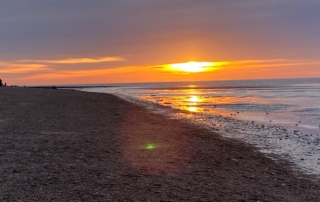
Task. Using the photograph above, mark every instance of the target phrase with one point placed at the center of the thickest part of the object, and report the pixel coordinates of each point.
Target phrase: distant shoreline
(64, 87)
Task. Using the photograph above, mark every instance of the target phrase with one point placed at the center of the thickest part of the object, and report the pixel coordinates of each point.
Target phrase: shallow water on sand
(279, 116)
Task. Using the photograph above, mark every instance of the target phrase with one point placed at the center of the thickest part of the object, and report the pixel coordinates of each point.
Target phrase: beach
(67, 145)
(278, 116)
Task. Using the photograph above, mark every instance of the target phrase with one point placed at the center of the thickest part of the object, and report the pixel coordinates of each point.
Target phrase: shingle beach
(67, 145)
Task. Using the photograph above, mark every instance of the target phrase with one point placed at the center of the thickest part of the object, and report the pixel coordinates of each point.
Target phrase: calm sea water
(293, 103)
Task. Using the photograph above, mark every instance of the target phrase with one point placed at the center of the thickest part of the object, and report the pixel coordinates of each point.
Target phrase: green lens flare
(150, 146)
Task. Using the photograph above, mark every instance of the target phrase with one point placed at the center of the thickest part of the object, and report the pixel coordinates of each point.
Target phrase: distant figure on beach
(1, 84)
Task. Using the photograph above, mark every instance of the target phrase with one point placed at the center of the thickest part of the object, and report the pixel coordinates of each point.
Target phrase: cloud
(24, 66)
(15, 68)
(257, 28)
(67, 74)
(242, 65)
(222, 70)
(76, 60)
(258, 64)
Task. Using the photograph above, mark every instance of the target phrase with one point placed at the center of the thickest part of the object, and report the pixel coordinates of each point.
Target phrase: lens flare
(150, 146)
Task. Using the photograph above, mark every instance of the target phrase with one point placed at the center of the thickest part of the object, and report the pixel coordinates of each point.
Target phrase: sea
(279, 116)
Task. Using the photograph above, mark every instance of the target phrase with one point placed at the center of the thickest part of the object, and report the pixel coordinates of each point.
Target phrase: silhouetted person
(1, 84)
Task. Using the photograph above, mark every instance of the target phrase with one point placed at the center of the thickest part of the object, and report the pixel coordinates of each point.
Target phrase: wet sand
(60, 145)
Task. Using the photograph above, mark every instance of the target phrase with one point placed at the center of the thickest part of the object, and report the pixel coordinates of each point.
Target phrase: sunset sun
(191, 67)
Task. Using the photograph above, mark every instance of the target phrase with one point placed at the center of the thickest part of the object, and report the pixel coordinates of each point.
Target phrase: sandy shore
(60, 145)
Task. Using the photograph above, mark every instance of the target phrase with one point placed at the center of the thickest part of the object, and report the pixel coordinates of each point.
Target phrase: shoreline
(71, 145)
(290, 144)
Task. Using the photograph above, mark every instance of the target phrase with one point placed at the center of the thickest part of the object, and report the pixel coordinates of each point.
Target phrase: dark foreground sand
(59, 145)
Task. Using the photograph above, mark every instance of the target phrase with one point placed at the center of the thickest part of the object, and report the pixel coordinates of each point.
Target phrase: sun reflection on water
(192, 109)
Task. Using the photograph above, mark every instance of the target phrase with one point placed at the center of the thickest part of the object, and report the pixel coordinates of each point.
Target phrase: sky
(46, 42)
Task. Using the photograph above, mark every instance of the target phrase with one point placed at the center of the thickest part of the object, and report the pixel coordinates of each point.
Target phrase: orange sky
(123, 41)
(44, 72)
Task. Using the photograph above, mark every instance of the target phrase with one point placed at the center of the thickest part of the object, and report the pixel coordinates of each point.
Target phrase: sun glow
(191, 67)
(194, 99)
